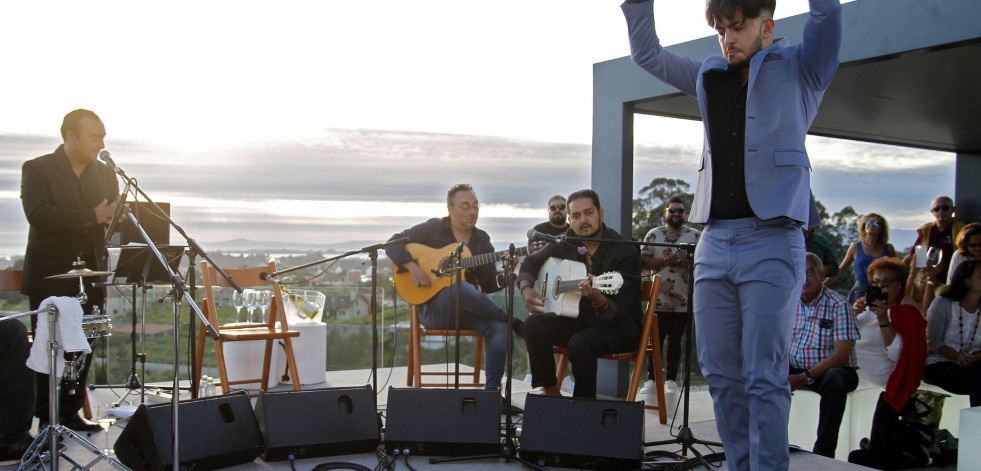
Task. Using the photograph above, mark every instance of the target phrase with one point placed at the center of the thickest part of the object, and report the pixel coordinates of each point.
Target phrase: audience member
(952, 334)
(891, 352)
(940, 234)
(968, 247)
(820, 245)
(873, 232)
(822, 356)
(556, 224)
(672, 301)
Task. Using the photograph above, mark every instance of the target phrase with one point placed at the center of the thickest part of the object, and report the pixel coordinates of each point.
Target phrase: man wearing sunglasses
(941, 234)
(557, 223)
(672, 302)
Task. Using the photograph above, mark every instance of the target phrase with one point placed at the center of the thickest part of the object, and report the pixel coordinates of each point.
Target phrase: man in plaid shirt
(822, 352)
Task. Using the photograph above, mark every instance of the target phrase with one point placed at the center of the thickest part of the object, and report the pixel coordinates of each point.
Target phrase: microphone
(265, 276)
(104, 155)
(535, 235)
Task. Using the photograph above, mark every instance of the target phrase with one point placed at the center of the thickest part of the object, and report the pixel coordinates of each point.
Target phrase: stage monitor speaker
(572, 432)
(443, 422)
(319, 422)
(214, 432)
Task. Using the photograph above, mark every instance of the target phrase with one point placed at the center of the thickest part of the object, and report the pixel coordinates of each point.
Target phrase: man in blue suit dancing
(757, 101)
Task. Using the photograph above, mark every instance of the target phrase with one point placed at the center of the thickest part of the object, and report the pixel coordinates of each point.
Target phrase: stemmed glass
(251, 302)
(315, 305)
(934, 257)
(238, 302)
(265, 300)
(106, 419)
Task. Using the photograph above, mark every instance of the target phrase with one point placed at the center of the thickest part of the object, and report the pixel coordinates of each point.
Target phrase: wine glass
(106, 418)
(315, 306)
(238, 302)
(934, 256)
(265, 300)
(251, 302)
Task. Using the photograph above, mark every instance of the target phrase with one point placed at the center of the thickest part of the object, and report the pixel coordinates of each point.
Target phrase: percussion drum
(96, 326)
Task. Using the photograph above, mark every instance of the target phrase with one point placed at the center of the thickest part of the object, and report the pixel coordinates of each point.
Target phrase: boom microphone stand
(372, 251)
(507, 451)
(179, 292)
(685, 436)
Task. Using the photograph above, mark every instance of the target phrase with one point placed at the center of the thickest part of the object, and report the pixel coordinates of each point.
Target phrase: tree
(841, 229)
(648, 209)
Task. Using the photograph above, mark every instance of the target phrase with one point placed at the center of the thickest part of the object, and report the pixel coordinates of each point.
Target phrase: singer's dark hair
(717, 10)
(675, 200)
(556, 197)
(587, 193)
(73, 120)
(456, 189)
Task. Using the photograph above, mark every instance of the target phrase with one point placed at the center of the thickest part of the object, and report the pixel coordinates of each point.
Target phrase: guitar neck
(565, 286)
(490, 257)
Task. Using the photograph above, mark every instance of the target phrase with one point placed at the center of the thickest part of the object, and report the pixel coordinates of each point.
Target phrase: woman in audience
(873, 234)
(953, 321)
(968, 247)
(891, 351)
(884, 324)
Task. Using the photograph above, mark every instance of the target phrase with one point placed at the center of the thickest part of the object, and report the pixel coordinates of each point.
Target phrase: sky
(318, 122)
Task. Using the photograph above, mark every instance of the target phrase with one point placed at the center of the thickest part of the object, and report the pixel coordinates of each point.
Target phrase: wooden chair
(12, 280)
(268, 331)
(650, 345)
(416, 373)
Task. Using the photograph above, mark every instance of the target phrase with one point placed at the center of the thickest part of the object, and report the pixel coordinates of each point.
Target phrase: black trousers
(584, 342)
(833, 386)
(71, 396)
(956, 379)
(16, 379)
(671, 328)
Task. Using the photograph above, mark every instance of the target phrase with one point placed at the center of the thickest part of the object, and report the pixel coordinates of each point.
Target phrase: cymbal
(78, 273)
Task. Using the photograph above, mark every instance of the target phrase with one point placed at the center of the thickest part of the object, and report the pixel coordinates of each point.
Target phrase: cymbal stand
(43, 453)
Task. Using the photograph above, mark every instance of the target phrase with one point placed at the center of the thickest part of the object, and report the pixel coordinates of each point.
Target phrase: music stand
(137, 266)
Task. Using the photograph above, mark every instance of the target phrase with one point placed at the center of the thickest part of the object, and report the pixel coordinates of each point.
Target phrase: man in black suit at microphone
(69, 199)
(607, 323)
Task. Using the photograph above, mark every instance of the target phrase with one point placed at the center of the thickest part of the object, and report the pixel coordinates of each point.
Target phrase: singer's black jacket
(59, 208)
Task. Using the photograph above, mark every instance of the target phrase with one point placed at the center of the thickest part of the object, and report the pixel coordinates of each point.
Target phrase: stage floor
(701, 419)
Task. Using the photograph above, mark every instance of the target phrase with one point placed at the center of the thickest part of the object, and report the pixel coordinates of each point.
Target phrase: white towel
(69, 334)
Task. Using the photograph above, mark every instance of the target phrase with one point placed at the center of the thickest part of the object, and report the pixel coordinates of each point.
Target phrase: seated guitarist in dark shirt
(605, 323)
(477, 311)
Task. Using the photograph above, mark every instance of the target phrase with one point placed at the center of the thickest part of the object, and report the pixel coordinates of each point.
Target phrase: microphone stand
(508, 450)
(179, 292)
(685, 437)
(372, 251)
(194, 249)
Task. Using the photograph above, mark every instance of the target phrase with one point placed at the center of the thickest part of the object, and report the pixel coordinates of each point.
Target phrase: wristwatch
(810, 379)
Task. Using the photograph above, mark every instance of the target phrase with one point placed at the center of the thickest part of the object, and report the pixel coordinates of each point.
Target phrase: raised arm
(646, 51)
(822, 41)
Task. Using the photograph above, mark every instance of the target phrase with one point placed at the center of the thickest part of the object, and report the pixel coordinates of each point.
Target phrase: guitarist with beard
(478, 312)
(605, 324)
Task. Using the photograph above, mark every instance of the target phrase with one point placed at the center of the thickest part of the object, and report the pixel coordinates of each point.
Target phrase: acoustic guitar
(436, 262)
(558, 281)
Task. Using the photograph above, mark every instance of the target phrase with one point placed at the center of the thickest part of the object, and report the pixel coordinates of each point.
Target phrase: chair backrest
(649, 291)
(245, 278)
(10, 280)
